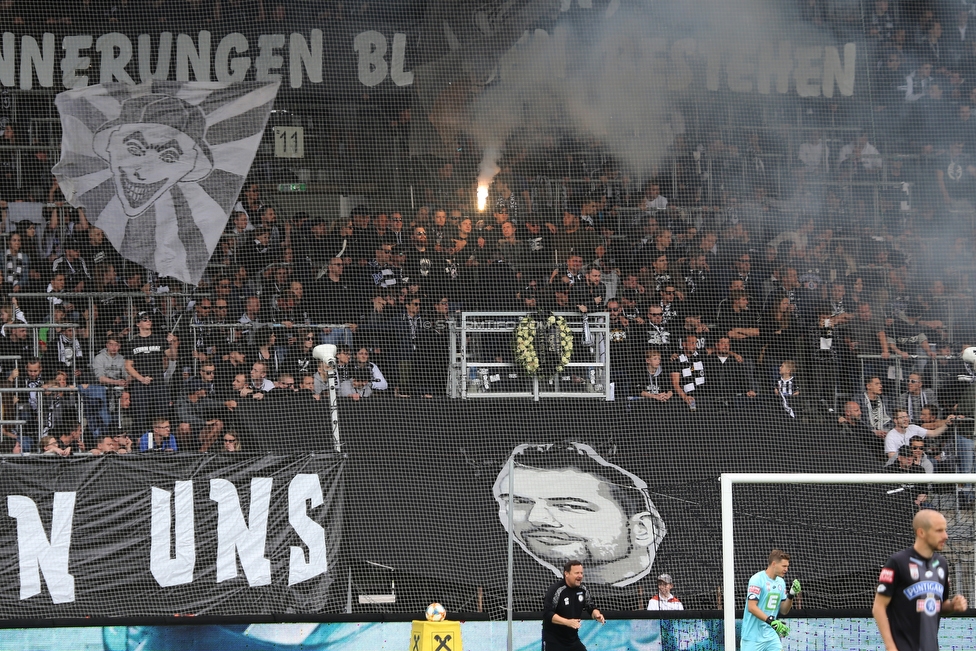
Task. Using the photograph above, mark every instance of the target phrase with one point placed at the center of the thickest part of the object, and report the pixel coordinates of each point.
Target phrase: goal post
(727, 481)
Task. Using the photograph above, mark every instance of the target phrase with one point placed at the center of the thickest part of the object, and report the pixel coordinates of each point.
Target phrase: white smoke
(598, 79)
(489, 165)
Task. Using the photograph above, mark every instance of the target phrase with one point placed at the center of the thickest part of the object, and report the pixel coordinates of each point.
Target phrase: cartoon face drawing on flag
(159, 166)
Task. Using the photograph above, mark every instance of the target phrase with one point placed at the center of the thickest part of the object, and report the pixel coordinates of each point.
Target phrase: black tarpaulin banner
(161, 534)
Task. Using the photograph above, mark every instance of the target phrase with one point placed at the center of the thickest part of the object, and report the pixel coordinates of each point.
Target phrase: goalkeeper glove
(780, 627)
(795, 588)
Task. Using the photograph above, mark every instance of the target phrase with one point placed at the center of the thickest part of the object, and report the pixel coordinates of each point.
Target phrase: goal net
(850, 523)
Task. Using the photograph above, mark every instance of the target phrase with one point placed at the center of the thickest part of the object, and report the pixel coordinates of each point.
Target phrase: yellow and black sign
(435, 636)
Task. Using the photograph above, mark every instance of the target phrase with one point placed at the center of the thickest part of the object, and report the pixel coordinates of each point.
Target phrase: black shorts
(556, 645)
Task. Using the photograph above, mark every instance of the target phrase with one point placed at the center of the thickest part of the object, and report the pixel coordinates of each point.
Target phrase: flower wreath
(543, 344)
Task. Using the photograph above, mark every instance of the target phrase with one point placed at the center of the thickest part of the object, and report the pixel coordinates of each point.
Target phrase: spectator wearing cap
(359, 385)
(73, 266)
(905, 462)
(919, 458)
(315, 245)
(146, 358)
(207, 376)
(664, 600)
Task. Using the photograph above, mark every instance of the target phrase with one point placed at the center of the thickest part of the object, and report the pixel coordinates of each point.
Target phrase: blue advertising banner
(616, 635)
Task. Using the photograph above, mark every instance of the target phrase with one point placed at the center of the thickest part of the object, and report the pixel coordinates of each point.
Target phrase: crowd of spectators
(732, 279)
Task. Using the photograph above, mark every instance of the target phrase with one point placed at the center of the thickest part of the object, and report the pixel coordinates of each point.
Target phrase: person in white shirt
(653, 199)
(861, 151)
(664, 600)
(917, 83)
(903, 431)
(814, 153)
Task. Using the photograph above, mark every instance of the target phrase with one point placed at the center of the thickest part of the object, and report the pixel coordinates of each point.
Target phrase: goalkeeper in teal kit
(766, 600)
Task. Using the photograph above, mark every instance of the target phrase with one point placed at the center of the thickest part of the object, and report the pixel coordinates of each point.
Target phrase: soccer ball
(436, 613)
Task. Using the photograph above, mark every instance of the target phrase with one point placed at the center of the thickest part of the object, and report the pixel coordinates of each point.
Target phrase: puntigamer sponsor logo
(924, 587)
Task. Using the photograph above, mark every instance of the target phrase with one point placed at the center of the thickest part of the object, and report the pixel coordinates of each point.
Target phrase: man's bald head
(927, 519)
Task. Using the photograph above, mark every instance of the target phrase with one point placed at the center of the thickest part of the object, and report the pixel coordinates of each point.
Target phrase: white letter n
(35, 550)
(235, 537)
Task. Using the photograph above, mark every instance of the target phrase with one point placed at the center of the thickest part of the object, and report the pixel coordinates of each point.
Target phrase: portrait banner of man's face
(159, 166)
(569, 503)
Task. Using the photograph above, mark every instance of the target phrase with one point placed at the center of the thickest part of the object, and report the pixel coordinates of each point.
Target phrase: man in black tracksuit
(564, 604)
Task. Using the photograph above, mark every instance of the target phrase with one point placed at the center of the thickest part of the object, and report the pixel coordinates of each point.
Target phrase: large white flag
(159, 166)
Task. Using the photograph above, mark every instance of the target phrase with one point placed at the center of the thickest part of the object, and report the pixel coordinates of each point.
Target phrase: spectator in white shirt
(664, 600)
(653, 199)
(903, 431)
(861, 151)
(814, 153)
(917, 83)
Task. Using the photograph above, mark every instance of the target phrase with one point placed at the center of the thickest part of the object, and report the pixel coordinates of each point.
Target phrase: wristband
(790, 596)
(770, 619)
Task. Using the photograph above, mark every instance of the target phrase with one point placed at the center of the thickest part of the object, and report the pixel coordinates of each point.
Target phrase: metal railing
(468, 339)
(901, 368)
(92, 297)
(41, 412)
